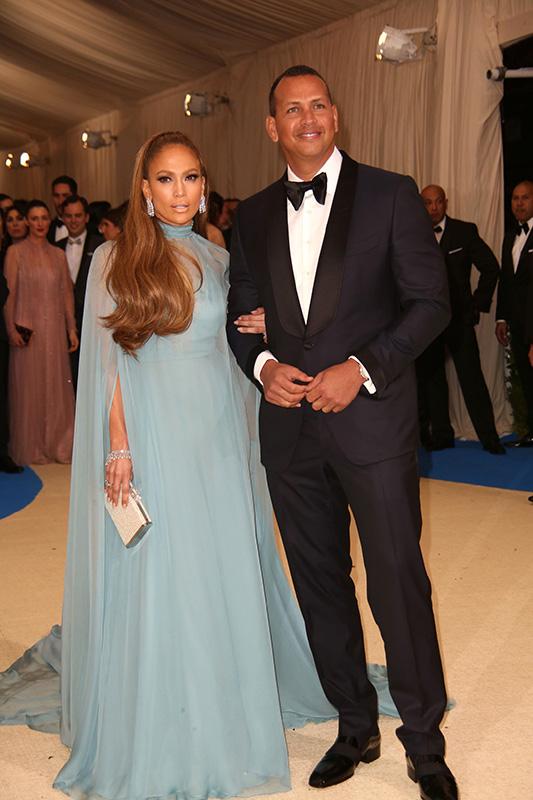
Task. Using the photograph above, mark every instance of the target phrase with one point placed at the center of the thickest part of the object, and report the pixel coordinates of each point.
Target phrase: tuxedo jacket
(91, 243)
(52, 231)
(515, 304)
(462, 246)
(380, 293)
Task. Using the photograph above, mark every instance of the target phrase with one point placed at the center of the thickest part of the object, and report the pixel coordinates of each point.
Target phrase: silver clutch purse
(131, 522)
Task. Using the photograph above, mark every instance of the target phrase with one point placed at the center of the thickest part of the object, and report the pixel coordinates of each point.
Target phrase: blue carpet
(17, 491)
(467, 462)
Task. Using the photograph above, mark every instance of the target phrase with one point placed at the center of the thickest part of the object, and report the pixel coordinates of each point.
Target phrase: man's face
(435, 202)
(522, 201)
(75, 219)
(60, 192)
(305, 122)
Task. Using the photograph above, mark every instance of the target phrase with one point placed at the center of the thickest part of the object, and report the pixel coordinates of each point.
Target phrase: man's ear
(335, 118)
(271, 128)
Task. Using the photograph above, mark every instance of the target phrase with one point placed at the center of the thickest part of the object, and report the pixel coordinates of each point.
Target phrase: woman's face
(175, 184)
(16, 225)
(108, 229)
(38, 222)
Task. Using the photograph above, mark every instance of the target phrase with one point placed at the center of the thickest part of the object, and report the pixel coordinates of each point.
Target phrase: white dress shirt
(519, 242)
(60, 233)
(441, 224)
(307, 228)
(74, 252)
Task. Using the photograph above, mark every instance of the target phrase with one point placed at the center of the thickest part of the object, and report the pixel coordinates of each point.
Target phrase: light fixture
(10, 161)
(501, 73)
(201, 104)
(397, 46)
(27, 160)
(94, 140)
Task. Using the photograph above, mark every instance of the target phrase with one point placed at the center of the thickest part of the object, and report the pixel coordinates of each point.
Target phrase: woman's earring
(150, 207)
(202, 208)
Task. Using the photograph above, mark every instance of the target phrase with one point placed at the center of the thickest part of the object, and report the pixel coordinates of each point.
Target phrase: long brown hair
(148, 276)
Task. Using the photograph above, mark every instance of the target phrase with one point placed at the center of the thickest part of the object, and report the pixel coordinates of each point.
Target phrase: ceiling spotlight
(10, 161)
(26, 160)
(397, 46)
(93, 140)
(201, 104)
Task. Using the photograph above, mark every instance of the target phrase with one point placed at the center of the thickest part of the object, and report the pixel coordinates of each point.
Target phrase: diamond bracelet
(114, 455)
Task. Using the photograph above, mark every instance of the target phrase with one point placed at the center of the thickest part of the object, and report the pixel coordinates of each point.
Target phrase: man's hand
(335, 387)
(502, 333)
(530, 354)
(254, 322)
(279, 384)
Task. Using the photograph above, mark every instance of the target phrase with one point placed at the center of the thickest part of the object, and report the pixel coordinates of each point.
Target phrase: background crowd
(44, 265)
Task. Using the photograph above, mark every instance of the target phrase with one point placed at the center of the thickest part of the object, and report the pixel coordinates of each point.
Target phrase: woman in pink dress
(41, 328)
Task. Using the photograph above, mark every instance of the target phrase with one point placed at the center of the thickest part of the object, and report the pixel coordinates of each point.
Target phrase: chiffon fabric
(182, 658)
(41, 397)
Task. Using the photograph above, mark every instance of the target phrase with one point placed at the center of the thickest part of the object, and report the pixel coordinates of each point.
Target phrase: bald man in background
(462, 247)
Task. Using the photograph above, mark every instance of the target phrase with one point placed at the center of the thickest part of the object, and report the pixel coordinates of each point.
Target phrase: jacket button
(308, 345)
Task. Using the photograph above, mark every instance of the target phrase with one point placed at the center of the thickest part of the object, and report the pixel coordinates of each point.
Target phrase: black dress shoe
(340, 761)
(8, 465)
(494, 447)
(433, 776)
(525, 441)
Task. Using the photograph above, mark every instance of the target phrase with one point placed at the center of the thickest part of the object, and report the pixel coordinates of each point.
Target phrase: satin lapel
(330, 268)
(445, 237)
(524, 254)
(280, 266)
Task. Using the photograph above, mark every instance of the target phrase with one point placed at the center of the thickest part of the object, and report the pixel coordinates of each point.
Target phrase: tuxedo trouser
(524, 369)
(4, 412)
(462, 344)
(311, 498)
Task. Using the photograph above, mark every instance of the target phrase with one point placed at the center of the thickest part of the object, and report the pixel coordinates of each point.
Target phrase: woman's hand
(74, 340)
(16, 340)
(254, 322)
(118, 474)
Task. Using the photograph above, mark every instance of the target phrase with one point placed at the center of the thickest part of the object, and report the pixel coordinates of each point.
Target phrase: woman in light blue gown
(182, 658)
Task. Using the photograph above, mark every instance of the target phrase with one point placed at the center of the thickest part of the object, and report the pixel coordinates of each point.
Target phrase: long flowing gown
(41, 397)
(182, 659)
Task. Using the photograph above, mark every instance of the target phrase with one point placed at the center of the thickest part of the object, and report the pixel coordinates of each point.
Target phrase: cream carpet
(478, 544)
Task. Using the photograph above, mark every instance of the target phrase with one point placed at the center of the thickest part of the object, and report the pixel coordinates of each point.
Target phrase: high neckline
(176, 231)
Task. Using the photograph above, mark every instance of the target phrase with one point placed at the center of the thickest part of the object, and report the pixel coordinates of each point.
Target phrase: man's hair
(5, 197)
(293, 72)
(75, 198)
(73, 186)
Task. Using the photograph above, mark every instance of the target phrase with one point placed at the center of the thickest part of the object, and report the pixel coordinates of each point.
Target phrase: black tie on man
(354, 290)
(462, 246)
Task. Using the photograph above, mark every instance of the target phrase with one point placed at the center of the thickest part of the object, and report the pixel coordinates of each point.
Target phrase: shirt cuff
(368, 384)
(260, 362)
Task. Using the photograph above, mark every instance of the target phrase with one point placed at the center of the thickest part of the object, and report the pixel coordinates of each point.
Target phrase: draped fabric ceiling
(63, 62)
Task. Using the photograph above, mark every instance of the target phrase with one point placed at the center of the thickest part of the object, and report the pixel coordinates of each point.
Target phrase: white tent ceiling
(63, 62)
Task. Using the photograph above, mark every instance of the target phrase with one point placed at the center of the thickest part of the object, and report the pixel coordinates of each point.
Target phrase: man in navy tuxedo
(79, 247)
(515, 306)
(344, 260)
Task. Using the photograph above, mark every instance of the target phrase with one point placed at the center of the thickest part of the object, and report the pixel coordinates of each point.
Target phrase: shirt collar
(529, 223)
(82, 236)
(332, 168)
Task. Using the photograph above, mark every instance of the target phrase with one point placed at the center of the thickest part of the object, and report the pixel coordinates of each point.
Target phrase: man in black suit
(6, 462)
(62, 187)
(344, 261)
(462, 246)
(79, 248)
(513, 312)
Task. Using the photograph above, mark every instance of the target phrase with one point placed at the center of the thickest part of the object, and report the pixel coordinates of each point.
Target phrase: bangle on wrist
(116, 455)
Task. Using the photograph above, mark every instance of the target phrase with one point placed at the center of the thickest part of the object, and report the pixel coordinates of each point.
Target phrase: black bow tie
(73, 241)
(523, 226)
(59, 222)
(297, 189)
(437, 229)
